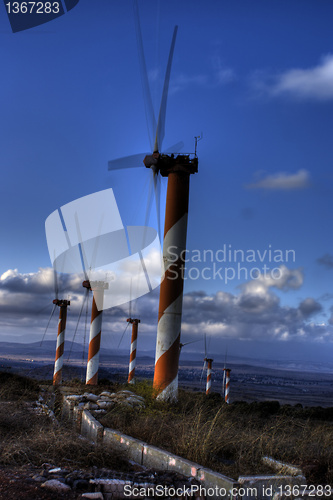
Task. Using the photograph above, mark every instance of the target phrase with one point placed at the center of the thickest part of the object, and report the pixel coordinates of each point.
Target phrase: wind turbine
(59, 357)
(62, 304)
(207, 362)
(134, 322)
(178, 170)
(98, 288)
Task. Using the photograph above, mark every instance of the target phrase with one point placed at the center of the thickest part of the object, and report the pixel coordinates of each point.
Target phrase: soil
(17, 483)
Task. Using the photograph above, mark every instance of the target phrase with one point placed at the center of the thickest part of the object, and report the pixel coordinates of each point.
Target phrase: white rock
(91, 397)
(92, 496)
(107, 393)
(104, 404)
(90, 406)
(141, 398)
(133, 399)
(55, 485)
(74, 397)
(54, 471)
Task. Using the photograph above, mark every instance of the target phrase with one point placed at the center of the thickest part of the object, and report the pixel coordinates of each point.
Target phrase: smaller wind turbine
(59, 357)
(97, 287)
(134, 322)
(207, 362)
(132, 363)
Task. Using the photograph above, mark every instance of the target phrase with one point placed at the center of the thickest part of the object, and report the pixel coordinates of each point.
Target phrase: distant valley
(309, 384)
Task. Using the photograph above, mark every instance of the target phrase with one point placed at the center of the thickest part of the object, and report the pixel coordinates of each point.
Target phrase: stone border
(219, 486)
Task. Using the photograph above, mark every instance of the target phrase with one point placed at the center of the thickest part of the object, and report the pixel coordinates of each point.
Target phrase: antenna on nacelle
(197, 139)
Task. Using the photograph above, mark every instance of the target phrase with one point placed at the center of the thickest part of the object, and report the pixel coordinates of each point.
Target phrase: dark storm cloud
(252, 303)
(309, 306)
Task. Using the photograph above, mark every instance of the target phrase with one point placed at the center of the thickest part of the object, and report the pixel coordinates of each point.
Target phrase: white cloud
(218, 75)
(223, 74)
(285, 279)
(314, 83)
(255, 313)
(282, 181)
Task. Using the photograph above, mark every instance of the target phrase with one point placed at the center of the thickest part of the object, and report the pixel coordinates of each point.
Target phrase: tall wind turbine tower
(177, 168)
(97, 287)
(178, 171)
(59, 357)
(134, 338)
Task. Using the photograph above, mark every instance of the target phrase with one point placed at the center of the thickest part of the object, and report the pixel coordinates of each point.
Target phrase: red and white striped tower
(178, 171)
(59, 358)
(132, 363)
(98, 288)
(227, 384)
(209, 375)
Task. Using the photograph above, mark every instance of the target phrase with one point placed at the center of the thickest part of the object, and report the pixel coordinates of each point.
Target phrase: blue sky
(256, 78)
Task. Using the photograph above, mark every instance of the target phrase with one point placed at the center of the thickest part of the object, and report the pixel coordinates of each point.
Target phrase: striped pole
(98, 288)
(227, 384)
(59, 357)
(209, 375)
(171, 290)
(132, 363)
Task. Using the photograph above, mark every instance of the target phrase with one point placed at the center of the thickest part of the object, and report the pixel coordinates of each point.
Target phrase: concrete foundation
(214, 485)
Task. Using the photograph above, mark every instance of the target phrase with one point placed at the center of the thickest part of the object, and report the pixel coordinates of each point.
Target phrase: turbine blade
(149, 109)
(48, 324)
(203, 369)
(78, 321)
(223, 384)
(175, 148)
(130, 302)
(210, 338)
(95, 249)
(149, 202)
(56, 285)
(124, 162)
(81, 248)
(191, 342)
(157, 191)
(205, 346)
(160, 131)
(121, 339)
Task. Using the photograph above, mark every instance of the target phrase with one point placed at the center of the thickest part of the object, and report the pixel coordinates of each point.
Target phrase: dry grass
(33, 440)
(27, 437)
(233, 439)
(15, 387)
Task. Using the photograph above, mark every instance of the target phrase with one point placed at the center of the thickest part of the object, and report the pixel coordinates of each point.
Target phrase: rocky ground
(54, 483)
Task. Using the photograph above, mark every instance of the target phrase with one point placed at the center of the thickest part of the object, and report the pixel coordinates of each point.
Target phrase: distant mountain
(46, 351)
